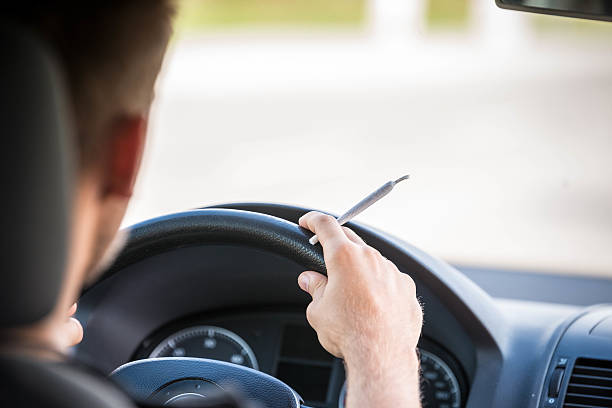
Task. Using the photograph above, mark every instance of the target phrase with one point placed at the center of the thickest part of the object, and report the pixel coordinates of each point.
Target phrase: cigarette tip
(406, 177)
(313, 240)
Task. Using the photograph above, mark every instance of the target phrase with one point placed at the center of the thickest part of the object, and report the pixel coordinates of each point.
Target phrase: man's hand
(366, 312)
(73, 331)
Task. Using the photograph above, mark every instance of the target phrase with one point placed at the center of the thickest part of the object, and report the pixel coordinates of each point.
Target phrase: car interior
(206, 298)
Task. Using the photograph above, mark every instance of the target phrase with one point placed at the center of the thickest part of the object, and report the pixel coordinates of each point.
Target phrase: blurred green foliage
(448, 13)
(198, 15)
(544, 23)
(194, 15)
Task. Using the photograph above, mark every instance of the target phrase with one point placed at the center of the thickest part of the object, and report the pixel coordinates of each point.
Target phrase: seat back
(35, 175)
(28, 383)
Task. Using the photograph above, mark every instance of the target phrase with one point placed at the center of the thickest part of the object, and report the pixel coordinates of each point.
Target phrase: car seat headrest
(35, 171)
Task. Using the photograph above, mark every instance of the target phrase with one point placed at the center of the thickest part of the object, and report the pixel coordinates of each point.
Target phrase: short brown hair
(111, 52)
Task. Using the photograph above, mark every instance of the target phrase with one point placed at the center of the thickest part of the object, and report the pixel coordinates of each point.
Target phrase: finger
(74, 332)
(325, 226)
(313, 282)
(72, 309)
(350, 234)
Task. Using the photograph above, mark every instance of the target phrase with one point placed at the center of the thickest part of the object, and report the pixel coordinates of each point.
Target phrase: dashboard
(241, 304)
(283, 345)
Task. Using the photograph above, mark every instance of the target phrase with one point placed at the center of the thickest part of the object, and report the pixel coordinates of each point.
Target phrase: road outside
(506, 133)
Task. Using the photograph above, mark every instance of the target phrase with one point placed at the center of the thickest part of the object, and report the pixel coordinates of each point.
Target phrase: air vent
(590, 385)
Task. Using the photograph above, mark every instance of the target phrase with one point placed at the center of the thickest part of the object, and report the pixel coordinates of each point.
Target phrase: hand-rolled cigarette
(363, 204)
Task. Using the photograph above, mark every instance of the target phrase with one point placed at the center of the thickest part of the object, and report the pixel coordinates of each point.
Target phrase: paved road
(509, 150)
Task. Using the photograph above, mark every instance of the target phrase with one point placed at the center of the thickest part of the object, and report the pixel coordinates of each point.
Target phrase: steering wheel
(182, 381)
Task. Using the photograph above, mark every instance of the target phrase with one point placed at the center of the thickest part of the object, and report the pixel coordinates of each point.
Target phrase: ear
(124, 155)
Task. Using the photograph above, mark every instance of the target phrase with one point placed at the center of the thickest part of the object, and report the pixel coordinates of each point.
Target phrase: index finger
(325, 226)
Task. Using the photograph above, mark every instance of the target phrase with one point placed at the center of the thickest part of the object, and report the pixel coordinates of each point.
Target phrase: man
(365, 311)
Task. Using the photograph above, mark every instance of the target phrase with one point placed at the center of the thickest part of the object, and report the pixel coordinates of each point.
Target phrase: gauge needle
(365, 203)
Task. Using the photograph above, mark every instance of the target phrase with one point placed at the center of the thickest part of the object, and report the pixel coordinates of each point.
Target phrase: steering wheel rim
(218, 226)
(212, 226)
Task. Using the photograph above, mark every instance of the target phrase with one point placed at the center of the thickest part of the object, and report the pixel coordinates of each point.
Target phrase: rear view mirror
(591, 9)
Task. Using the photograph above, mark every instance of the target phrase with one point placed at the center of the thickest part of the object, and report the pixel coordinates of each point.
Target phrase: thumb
(73, 332)
(312, 282)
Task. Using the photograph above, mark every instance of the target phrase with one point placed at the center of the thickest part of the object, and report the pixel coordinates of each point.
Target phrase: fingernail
(303, 282)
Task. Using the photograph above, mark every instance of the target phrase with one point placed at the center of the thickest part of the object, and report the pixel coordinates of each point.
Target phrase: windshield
(502, 119)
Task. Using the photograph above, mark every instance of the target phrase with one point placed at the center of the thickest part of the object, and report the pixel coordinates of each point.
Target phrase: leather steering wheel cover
(219, 226)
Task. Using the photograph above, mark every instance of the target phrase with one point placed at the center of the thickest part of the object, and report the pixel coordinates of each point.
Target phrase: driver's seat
(36, 174)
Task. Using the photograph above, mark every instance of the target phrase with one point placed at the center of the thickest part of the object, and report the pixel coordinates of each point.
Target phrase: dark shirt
(26, 381)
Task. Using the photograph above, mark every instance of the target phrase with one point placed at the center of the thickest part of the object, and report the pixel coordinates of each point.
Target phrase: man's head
(111, 53)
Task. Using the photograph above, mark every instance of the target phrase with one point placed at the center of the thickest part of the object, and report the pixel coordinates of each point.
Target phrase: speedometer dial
(439, 385)
(210, 342)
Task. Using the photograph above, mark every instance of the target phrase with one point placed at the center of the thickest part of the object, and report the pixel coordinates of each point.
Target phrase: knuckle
(325, 219)
(408, 281)
(311, 315)
(348, 230)
(371, 252)
(328, 344)
(318, 286)
(315, 283)
(394, 268)
(344, 249)
(309, 218)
